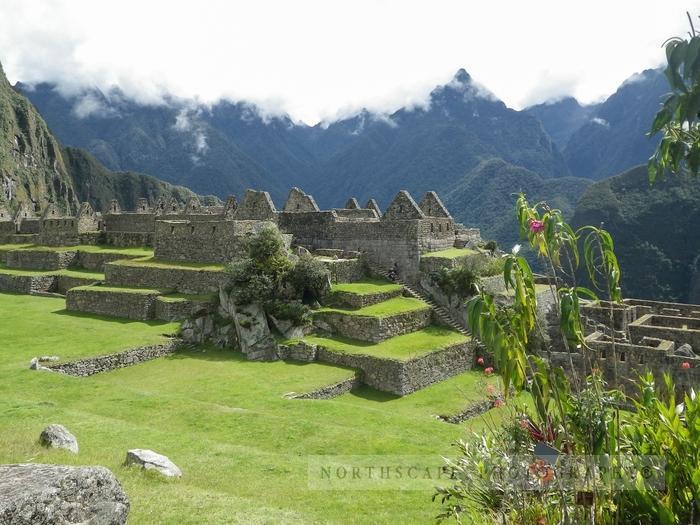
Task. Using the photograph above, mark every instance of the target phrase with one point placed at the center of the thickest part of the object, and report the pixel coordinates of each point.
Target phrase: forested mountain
(604, 139)
(655, 231)
(615, 138)
(502, 182)
(229, 147)
(35, 169)
(561, 118)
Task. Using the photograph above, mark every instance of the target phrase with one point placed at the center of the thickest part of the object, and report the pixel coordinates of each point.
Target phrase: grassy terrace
(366, 287)
(152, 262)
(451, 253)
(394, 306)
(120, 289)
(72, 272)
(177, 297)
(88, 248)
(243, 448)
(402, 347)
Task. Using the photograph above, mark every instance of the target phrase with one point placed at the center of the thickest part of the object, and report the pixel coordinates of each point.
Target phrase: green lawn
(152, 262)
(71, 272)
(10, 247)
(366, 287)
(89, 248)
(402, 347)
(242, 446)
(119, 289)
(393, 306)
(177, 297)
(450, 253)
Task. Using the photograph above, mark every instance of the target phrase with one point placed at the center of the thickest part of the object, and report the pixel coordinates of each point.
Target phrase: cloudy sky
(319, 59)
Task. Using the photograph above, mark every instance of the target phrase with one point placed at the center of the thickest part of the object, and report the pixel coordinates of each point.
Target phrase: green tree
(678, 119)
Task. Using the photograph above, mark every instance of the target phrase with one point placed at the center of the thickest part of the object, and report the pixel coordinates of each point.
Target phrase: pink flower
(524, 424)
(498, 403)
(488, 371)
(685, 365)
(480, 361)
(490, 390)
(536, 226)
(596, 371)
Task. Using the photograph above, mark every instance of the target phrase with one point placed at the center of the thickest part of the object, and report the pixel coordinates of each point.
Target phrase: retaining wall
(106, 363)
(373, 329)
(41, 260)
(404, 377)
(129, 305)
(26, 284)
(182, 280)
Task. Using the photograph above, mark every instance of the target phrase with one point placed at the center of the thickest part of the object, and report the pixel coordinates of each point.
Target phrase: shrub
(460, 281)
(298, 313)
(310, 277)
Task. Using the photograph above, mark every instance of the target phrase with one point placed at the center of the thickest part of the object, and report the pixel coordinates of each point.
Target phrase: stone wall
(63, 283)
(96, 261)
(179, 310)
(345, 270)
(41, 259)
(681, 330)
(106, 363)
(372, 329)
(26, 284)
(632, 360)
(331, 391)
(130, 222)
(188, 281)
(204, 241)
(29, 226)
(404, 377)
(129, 305)
(356, 301)
(129, 239)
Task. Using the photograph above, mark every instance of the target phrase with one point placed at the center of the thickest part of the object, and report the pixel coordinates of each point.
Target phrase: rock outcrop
(58, 436)
(149, 460)
(54, 494)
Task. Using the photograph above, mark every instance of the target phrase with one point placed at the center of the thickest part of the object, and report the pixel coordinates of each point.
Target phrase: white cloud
(600, 122)
(188, 123)
(319, 60)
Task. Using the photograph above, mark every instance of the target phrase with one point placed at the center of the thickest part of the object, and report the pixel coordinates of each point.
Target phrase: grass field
(450, 253)
(366, 287)
(224, 421)
(393, 306)
(402, 347)
(152, 262)
(87, 248)
(71, 272)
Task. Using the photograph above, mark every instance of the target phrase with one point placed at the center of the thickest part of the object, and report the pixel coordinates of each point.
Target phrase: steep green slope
(98, 185)
(614, 139)
(35, 169)
(31, 165)
(655, 229)
(562, 118)
(485, 197)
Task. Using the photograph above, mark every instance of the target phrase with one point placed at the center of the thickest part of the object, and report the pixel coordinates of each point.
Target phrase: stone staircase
(442, 314)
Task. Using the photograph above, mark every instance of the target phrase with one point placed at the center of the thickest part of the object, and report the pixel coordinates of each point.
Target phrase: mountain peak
(462, 77)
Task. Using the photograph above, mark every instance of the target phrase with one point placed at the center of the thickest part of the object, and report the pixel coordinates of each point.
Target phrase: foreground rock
(52, 494)
(149, 460)
(58, 436)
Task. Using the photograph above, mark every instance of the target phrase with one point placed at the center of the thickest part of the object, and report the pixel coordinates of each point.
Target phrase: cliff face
(32, 168)
(35, 168)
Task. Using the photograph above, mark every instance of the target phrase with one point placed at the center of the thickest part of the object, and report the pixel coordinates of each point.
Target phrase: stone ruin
(646, 336)
(213, 234)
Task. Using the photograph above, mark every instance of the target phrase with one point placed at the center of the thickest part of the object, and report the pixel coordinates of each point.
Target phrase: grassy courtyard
(393, 306)
(242, 446)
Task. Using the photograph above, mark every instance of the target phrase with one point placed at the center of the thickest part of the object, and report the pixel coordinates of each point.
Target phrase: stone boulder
(58, 436)
(149, 460)
(32, 494)
(287, 328)
(685, 350)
